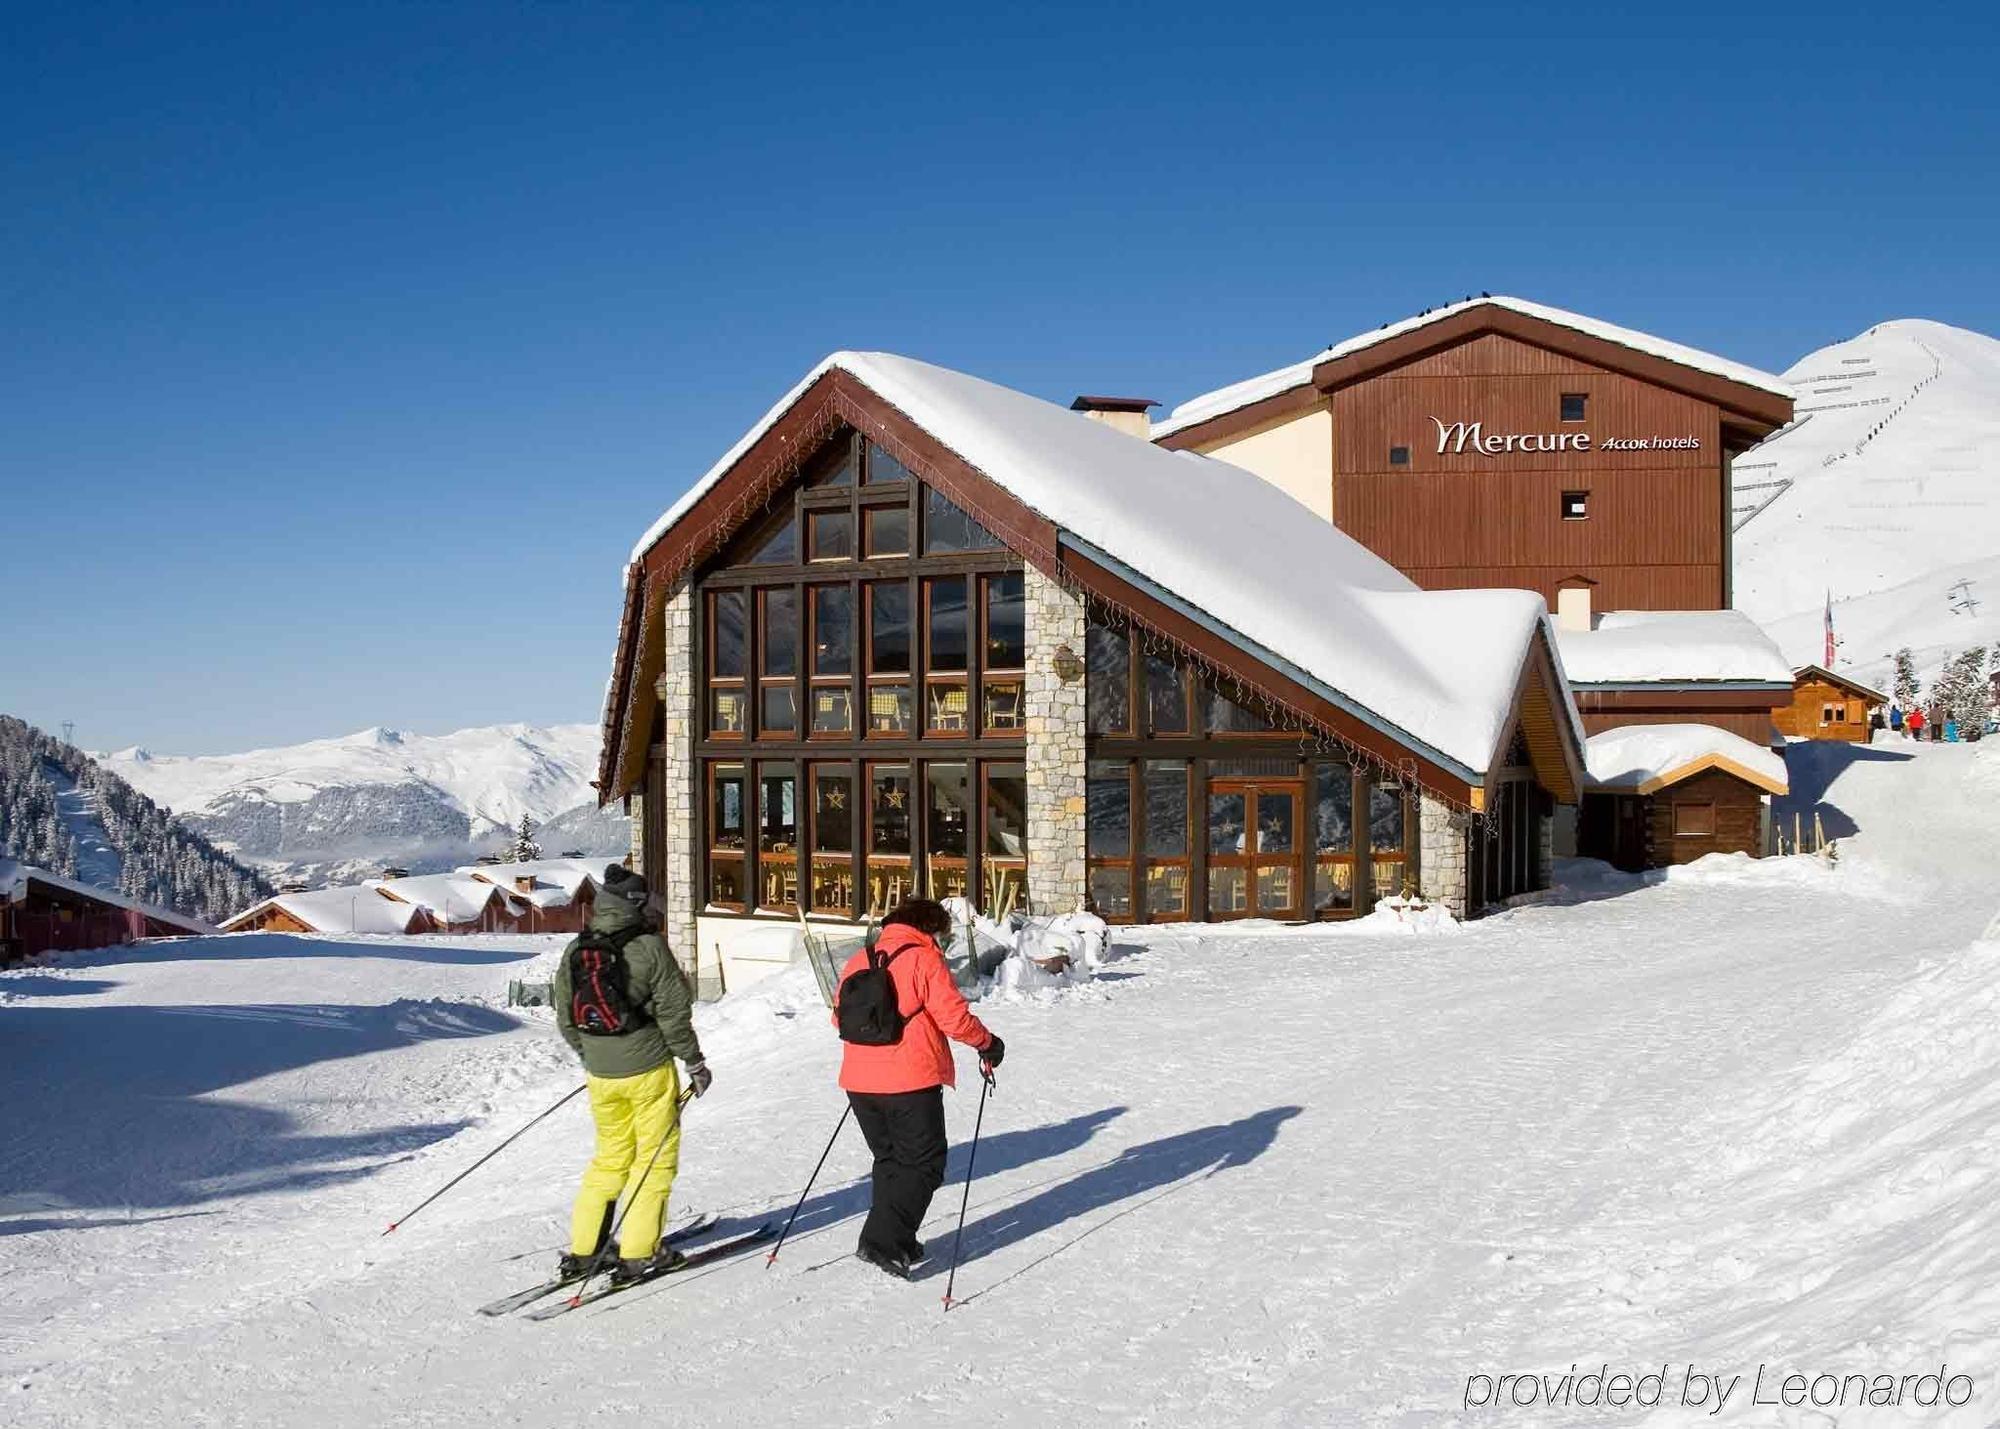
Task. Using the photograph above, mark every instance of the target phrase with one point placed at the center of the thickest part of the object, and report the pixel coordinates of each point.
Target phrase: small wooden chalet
(1665, 794)
(455, 903)
(556, 894)
(1637, 667)
(43, 912)
(352, 910)
(1824, 705)
(920, 634)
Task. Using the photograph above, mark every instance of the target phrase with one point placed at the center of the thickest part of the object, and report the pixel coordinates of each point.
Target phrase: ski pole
(477, 1164)
(772, 1259)
(965, 1197)
(611, 1236)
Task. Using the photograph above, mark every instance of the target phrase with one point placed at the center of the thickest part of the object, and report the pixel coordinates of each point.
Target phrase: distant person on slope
(623, 1007)
(897, 1089)
(1913, 727)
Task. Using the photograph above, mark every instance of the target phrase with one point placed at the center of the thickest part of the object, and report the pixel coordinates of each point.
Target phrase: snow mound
(1659, 646)
(1641, 756)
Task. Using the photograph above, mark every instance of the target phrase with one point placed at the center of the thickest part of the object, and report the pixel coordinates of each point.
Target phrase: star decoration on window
(836, 798)
(895, 798)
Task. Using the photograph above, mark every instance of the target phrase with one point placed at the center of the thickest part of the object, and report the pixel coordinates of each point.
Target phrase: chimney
(525, 883)
(1573, 604)
(1125, 414)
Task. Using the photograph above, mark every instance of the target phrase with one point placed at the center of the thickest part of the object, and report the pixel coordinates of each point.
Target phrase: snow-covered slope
(341, 808)
(1886, 491)
(1261, 1176)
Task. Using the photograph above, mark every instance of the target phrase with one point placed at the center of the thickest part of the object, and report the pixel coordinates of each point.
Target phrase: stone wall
(674, 869)
(1442, 854)
(1055, 746)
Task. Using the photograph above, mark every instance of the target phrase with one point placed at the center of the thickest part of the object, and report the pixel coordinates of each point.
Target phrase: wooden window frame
(712, 682)
(711, 777)
(810, 850)
(934, 678)
(990, 676)
(1130, 730)
(1562, 406)
(911, 770)
(867, 514)
(909, 679)
(990, 862)
(761, 603)
(1364, 827)
(1142, 834)
(1355, 859)
(815, 681)
(1576, 504)
(1706, 805)
(1093, 862)
(777, 856)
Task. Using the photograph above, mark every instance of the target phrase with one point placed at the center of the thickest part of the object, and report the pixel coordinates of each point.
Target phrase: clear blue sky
(345, 353)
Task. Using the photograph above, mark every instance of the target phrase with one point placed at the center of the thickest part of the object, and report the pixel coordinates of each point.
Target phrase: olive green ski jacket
(657, 989)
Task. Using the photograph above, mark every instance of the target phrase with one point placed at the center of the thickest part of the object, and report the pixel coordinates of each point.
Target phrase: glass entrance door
(1253, 849)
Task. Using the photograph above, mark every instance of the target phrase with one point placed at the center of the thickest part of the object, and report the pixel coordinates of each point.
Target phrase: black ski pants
(905, 1131)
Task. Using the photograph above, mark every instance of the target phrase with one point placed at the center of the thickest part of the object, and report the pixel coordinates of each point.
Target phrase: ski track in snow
(1250, 1176)
(97, 862)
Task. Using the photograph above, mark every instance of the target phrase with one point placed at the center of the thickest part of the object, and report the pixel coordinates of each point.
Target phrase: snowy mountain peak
(345, 807)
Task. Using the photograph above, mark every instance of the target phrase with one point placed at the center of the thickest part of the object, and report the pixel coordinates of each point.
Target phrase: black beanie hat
(624, 883)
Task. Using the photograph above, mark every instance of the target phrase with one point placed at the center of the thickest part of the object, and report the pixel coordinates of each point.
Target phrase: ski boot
(888, 1262)
(663, 1261)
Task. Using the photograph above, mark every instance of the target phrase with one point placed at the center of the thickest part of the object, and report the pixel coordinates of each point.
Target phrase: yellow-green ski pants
(634, 1116)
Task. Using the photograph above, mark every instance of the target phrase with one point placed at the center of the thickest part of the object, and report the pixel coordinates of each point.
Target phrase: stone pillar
(1545, 850)
(1055, 746)
(675, 869)
(1442, 831)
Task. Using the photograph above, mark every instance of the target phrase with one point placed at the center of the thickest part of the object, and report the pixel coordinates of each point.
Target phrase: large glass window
(887, 531)
(833, 839)
(1165, 884)
(948, 829)
(1333, 838)
(830, 535)
(1224, 715)
(778, 835)
(778, 663)
(1166, 695)
(889, 658)
(834, 467)
(889, 840)
(1108, 680)
(832, 660)
(883, 467)
(1005, 862)
(1005, 650)
(948, 529)
(1385, 838)
(728, 664)
(947, 648)
(1108, 836)
(778, 543)
(726, 835)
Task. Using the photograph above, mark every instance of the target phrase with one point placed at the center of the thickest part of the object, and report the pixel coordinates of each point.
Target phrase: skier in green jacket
(624, 1008)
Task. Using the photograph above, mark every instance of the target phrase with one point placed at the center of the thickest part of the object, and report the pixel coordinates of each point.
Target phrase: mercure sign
(1461, 437)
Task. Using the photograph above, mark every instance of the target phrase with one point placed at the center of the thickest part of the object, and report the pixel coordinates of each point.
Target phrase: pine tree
(1905, 689)
(1972, 694)
(525, 849)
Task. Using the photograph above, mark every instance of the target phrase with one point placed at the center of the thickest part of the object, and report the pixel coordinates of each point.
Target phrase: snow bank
(1297, 374)
(1664, 646)
(1442, 667)
(1636, 756)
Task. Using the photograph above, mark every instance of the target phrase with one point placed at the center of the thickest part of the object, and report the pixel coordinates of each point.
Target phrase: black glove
(995, 1050)
(699, 1077)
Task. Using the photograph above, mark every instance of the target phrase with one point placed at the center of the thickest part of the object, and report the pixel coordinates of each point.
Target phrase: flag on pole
(1828, 661)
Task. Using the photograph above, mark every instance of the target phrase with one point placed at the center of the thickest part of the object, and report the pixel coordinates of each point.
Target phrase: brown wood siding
(1741, 712)
(1738, 819)
(1654, 536)
(1802, 716)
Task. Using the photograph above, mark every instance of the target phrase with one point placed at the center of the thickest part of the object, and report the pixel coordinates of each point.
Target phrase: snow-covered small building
(1638, 667)
(356, 909)
(1664, 794)
(1827, 705)
(455, 903)
(919, 633)
(42, 912)
(557, 894)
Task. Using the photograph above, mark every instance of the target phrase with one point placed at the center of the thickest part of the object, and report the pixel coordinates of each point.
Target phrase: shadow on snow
(112, 1107)
(1812, 767)
(246, 947)
(1162, 1167)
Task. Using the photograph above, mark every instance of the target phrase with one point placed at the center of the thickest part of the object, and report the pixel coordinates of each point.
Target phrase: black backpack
(600, 989)
(871, 1014)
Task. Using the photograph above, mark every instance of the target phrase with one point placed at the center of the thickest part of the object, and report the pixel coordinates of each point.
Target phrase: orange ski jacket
(933, 1009)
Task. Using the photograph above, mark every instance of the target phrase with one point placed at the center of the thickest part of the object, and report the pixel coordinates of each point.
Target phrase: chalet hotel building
(1281, 654)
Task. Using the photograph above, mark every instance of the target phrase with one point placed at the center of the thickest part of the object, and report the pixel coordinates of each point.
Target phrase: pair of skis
(708, 1254)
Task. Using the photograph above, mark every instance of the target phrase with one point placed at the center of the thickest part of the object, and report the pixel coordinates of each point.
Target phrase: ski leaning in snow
(708, 1254)
(510, 1303)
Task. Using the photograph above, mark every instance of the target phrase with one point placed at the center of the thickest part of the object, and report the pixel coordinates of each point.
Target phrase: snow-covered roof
(1643, 647)
(1859, 687)
(15, 876)
(1440, 667)
(1643, 757)
(449, 898)
(1298, 374)
(557, 881)
(354, 909)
